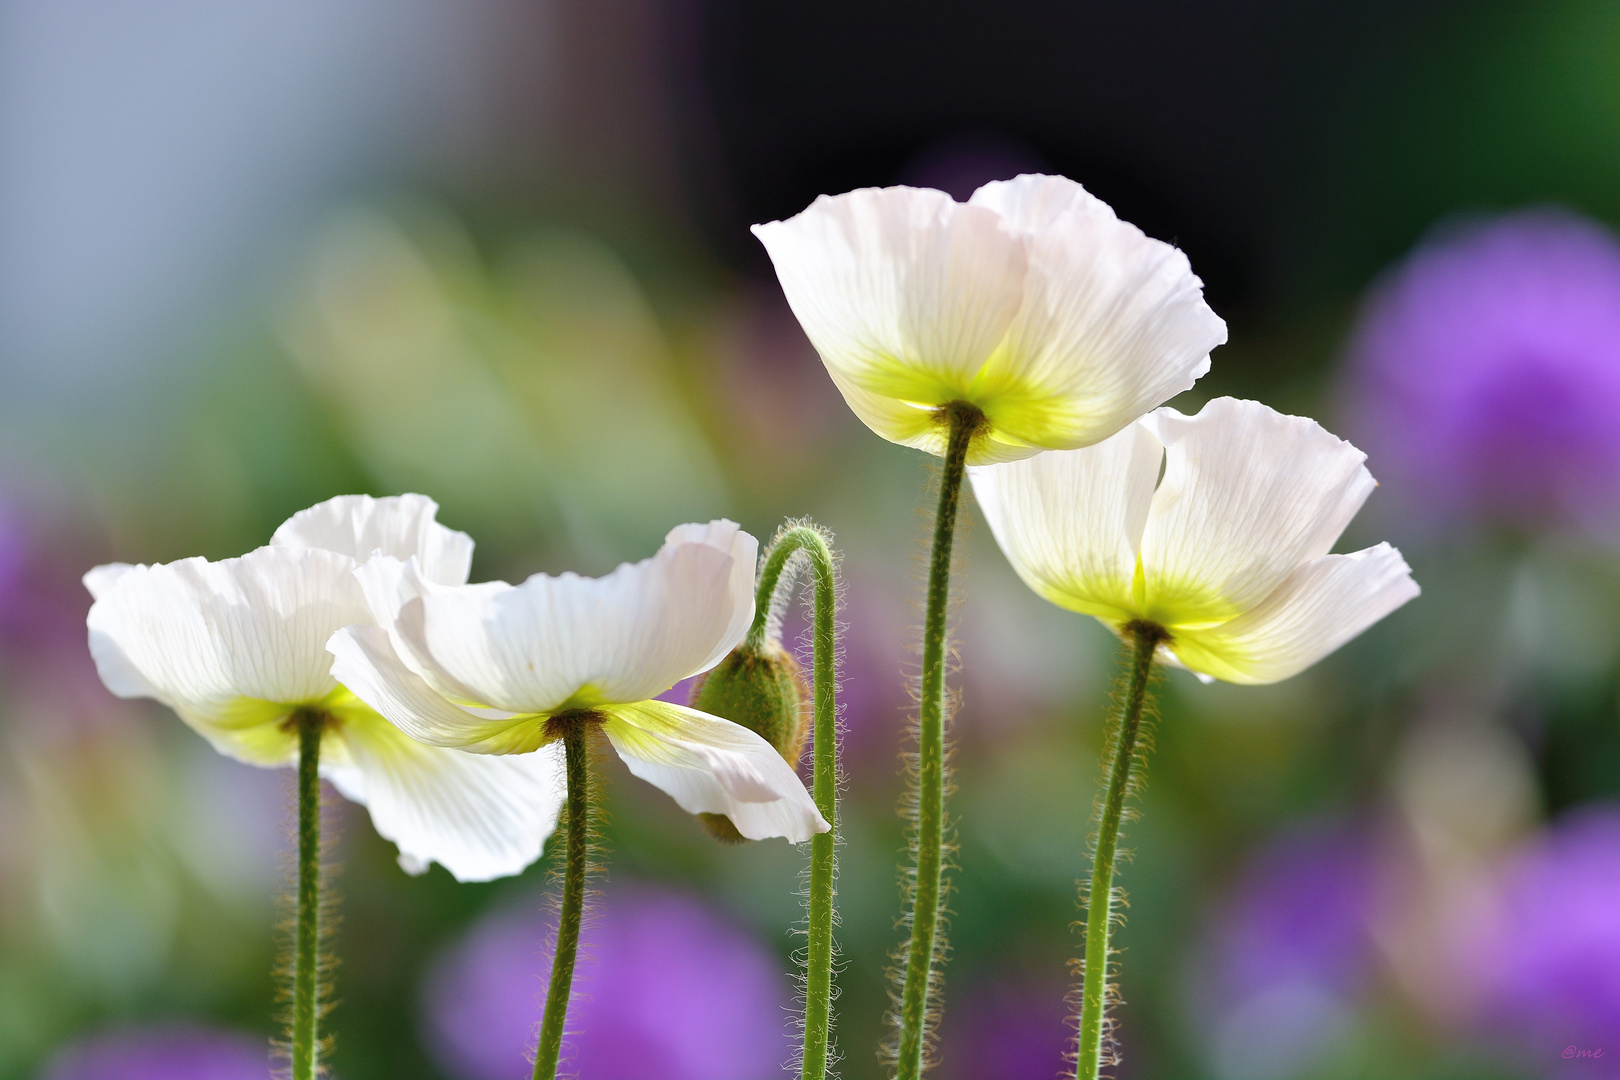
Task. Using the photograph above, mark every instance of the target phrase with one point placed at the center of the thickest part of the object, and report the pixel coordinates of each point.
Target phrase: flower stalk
(307, 1010)
(575, 865)
(803, 541)
(1124, 760)
(964, 422)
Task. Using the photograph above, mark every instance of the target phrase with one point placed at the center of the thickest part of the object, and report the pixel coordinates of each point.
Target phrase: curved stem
(573, 899)
(796, 539)
(307, 934)
(811, 542)
(1122, 742)
(965, 422)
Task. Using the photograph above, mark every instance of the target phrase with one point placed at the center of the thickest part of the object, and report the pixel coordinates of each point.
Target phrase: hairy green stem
(306, 1012)
(573, 897)
(811, 543)
(964, 422)
(1122, 741)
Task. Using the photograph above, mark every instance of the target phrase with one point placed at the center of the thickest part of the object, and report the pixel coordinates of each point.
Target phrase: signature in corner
(1577, 1052)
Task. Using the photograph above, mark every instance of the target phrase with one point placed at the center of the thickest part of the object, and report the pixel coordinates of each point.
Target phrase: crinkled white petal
(479, 817)
(1070, 521)
(360, 526)
(116, 669)
(101, 579)
(395, 593)
(1033, 302)
(1032, 203)
(389, 583)
(1316, 609)
(903, 291)
(713, 766)
(1113, 322)
(1248, 495)
(569, 641)
(723, 535)
(231, 646)
(365, 662)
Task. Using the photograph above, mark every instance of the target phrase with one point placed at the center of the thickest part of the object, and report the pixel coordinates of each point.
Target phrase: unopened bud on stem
(763, 691)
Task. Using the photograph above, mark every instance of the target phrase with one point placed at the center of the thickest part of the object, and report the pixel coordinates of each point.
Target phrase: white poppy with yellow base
(237, 648)
(499, 669)
(1031, 302)
(1228, 552)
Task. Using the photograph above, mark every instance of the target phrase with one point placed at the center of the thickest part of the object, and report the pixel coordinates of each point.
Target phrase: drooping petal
(479, 817)
(565, 642)
(1248, 495)
(365, 662)
(1316, 609)
(903, 291)
(712, 766)
(360, 526)
(1070, 521)
(231, 646)
(1113, 322)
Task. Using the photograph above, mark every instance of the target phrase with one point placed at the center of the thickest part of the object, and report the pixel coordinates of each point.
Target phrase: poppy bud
(764, 692)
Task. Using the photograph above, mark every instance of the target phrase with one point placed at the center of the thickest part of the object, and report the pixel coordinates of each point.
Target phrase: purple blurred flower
(42, 600)
(1485, 375)
(1300, 911)
(1290, 948)
(874, 671)
(43, 661)
(13, 557)
(666, 987)
(1012, 1027)
(1552, 957)
(162, 1053)
(680, 693)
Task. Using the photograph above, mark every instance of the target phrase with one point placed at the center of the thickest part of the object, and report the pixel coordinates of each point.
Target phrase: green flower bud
(764, 692)
(720, 827)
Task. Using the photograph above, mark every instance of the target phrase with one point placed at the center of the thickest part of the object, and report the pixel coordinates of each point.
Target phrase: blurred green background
(253, 255)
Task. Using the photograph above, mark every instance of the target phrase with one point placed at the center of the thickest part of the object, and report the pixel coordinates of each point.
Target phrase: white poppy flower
(485, 667)
(1031, 301)
(1228, 552)
(237, 647)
